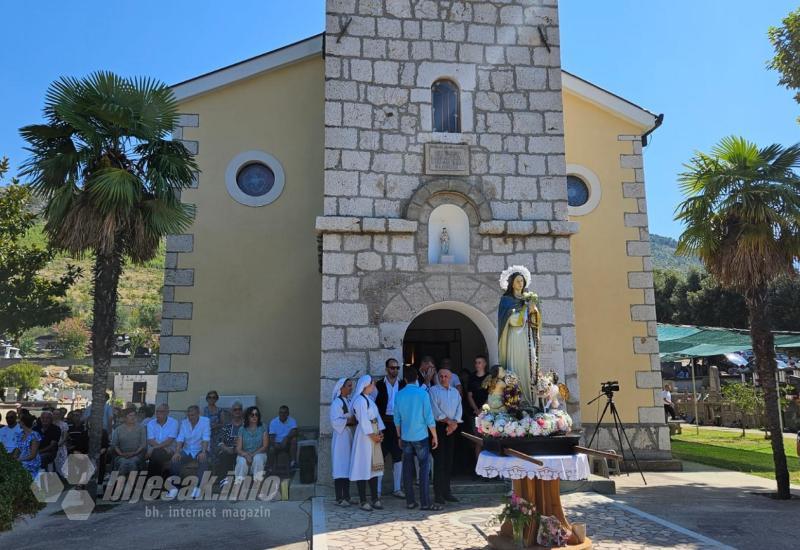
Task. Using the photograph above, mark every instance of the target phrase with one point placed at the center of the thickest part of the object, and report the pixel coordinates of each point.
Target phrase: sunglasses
(254, 413)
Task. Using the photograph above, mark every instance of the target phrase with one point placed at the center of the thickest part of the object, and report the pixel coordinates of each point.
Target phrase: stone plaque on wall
(551, 355)
(446, 159)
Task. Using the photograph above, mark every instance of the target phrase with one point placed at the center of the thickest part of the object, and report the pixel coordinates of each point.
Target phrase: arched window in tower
(446, 111)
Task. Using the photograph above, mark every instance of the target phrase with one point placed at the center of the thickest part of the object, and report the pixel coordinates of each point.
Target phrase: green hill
(139, 285)
(664, 256)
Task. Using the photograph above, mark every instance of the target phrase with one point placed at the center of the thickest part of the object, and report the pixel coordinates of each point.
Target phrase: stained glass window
(255, 179)
(577, 191)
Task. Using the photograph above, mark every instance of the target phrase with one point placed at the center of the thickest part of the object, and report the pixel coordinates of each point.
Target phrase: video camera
(609, 387)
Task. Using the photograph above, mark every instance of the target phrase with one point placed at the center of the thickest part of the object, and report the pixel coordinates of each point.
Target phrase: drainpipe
(659, 121)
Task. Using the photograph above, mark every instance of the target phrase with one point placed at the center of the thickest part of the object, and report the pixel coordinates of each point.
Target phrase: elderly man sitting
(194, 438)
(162, 431)
(282, 437)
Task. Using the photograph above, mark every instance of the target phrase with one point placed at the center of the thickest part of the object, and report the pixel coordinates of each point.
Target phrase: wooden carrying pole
(508, 452)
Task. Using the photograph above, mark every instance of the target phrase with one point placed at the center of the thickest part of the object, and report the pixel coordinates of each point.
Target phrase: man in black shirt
(51, 435)
(387, 389)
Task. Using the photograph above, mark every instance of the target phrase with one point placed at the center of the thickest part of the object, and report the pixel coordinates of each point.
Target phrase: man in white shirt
(446, 406)
(162, 431)
(282, 437)
(194, 438)
(8, 434)
(669, 408)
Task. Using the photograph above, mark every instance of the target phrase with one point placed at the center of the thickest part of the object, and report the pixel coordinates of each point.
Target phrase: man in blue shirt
(413, 418)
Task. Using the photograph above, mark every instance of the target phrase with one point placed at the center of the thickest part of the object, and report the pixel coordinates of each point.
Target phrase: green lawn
(751, 454)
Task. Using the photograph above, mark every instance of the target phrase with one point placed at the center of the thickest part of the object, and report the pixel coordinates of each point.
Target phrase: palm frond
(104, 166)
(741, 211)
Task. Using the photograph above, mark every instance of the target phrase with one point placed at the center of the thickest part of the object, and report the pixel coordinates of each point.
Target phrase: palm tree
(111, 180)
(742, 218)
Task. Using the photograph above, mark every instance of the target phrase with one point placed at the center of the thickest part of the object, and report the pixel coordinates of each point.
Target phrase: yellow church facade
(316, 248)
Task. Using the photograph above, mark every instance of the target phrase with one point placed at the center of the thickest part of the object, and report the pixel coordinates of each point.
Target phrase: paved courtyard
(464, 526)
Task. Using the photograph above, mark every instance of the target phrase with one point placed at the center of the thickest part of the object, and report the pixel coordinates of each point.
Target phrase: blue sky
(700, 62)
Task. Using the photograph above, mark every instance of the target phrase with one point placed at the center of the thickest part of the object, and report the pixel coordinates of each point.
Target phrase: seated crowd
(413, 419)
(220, 440)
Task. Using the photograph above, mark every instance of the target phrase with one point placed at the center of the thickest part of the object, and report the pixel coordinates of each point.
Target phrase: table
(538, 484)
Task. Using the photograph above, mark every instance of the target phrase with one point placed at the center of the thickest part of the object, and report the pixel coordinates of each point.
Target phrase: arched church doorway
(449, 334)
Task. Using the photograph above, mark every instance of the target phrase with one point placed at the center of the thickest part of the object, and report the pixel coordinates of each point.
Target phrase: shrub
(23, 375)
(27, 344)
(72, 337)
(16, 498)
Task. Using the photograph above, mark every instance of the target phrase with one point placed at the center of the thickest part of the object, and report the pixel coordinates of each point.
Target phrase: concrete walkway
(465, 526)
(724, 505)
(191, 525)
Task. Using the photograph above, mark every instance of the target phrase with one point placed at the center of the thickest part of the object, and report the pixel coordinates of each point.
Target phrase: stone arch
(475, 299)
(458, 191)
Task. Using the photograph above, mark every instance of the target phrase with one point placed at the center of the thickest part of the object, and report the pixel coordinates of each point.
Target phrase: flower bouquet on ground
(519, 513)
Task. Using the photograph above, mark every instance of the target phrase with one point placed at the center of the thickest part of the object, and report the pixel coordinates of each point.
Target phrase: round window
(577, 191)
(255, 179)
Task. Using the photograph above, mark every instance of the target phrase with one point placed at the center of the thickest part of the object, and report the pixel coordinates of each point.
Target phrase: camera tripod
(618, 427)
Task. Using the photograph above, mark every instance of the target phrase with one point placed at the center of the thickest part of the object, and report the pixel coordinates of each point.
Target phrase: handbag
(377, 452)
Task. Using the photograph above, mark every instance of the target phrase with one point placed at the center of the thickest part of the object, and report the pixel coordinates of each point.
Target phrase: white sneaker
(196, 492)
(172, 494)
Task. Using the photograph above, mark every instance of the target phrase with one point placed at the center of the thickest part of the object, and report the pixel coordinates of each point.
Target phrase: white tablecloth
(566, 467)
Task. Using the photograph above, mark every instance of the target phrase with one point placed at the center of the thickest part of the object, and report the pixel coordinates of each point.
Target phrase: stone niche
(452, 221)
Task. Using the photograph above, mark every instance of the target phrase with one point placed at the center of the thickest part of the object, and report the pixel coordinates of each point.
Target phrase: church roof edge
(313, 46)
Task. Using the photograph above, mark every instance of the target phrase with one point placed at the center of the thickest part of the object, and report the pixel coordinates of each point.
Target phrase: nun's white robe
(342, 440)
(365, 411)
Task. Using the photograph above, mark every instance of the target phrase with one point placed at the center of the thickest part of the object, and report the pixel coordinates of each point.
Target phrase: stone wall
(645, 310)
(381, 60)
(175, 276)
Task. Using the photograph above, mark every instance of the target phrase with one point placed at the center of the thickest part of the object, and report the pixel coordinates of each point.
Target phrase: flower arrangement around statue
(503, 415)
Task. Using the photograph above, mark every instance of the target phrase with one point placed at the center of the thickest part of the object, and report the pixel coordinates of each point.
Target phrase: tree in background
(742, 219)
(24, 376)
(698, 299)
(786, 41)
(111, 180)
(26, 299)
(745, 399)
(72, 336)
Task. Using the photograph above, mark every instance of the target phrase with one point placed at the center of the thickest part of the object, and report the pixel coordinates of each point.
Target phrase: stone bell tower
(440, 114)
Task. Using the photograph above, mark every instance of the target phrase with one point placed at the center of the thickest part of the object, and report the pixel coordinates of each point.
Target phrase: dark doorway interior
(448, 334)
(443, 334)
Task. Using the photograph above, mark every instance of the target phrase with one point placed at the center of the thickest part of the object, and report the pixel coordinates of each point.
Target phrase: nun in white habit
(366, 463)
(342, 421)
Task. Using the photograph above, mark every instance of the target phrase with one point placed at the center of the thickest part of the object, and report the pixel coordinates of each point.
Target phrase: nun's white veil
(337, 389)
(363, 382)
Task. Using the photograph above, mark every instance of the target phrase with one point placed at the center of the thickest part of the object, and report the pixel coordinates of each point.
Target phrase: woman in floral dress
(27, 451)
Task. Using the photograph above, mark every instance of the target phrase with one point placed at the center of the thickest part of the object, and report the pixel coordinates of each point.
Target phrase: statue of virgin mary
(518, 322)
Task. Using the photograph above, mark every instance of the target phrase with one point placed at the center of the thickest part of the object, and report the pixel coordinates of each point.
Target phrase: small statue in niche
(444, 242)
